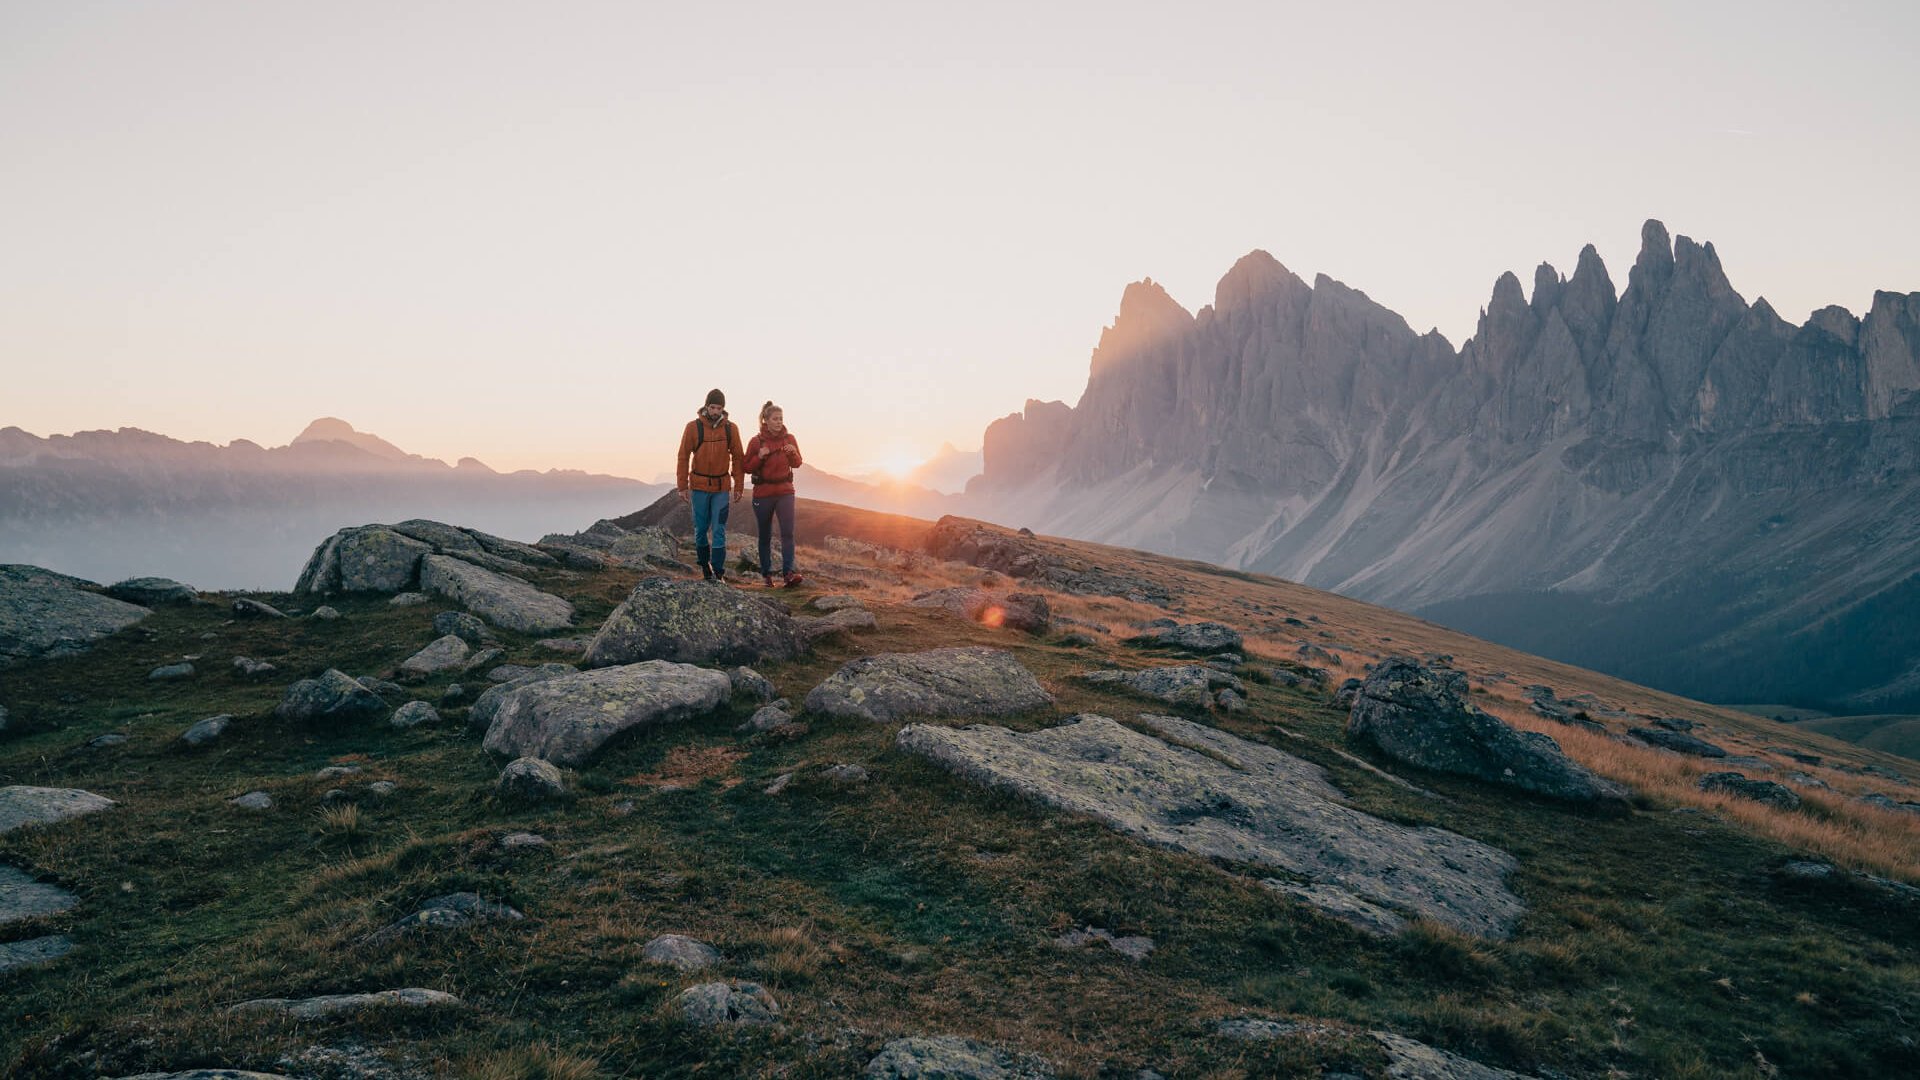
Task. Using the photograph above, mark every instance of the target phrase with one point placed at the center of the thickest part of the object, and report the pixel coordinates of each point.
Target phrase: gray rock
(407, 599)
(207, 730)
(444, 654)
(568, 718)
(639, 545)
(455, 911)
(454, 694)
(736, 1003)
(171, 672)
(569, 645)
(1015, 611)
(22, 806)
(503, 601)
(1420, 715)
(1188, 685)
(1673, 723)
(413, 714)
(845, 774)
(1228, 701)
(1133, 947)
(30, 953)
(765, 718)
(244, 608)
(463, 626)
(480, 717)
(325, 613)
(1253, 1029)
(368, 558)
(1195, 789)
(252, 800)
(209, 1074)
(524, 841)
(333, 698)
(780, 783)
(382, 788)
(316, 1008)
(335, 772)
(1677, 742)
(529, 779)
(3, 718)
(485, 658)
(693, 622)
(112, 738)
(1884, 801)
(934, 683)
(22, 898)
(152, 591)
(1201, 637)
(248, 666)
(1410, 1060)
(1334, 901)
(951, 1057)
(683, 953)
(751, 683)
(382, 687)
(846, 620)
(834, 602)
(47, 614)
(1778, 796)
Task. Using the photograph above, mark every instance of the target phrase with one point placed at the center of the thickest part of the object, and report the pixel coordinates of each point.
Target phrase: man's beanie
(715, 397)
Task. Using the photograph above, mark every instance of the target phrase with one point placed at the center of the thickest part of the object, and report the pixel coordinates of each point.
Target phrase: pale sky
(538, 233)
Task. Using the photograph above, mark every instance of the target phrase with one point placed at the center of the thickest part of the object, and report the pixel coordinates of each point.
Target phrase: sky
(537, 234)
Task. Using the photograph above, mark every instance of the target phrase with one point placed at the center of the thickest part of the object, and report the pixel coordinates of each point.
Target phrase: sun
(900, 463)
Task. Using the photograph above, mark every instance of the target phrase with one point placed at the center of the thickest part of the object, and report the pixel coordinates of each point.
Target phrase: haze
(539, 234)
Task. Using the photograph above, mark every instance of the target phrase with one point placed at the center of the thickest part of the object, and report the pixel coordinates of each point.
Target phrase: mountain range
(1665, 482)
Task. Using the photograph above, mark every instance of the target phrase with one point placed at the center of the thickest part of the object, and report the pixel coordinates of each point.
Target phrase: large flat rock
(316, 1008)
(567, 719)
(935, 683)
(501, 600)
(693, 622)
(21, 897)
(1193, 788)
(47, 614)
(24, 806)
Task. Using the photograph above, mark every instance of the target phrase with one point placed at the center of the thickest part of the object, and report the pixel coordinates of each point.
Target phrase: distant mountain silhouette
(1667, 483)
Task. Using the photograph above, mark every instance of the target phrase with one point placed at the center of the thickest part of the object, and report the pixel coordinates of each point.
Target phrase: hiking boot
(769, 580)
(706, 572)
(793, 580)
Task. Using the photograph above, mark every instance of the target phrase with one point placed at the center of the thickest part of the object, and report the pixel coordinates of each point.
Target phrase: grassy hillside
(1665, 944)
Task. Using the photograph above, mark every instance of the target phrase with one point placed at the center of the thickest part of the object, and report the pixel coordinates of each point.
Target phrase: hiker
(710, 457)
(772, 456)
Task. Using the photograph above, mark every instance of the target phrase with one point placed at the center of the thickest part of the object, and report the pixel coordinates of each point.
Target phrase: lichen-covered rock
(678, 951)
(443, 654)
(316, 1008)
(715, 1003)
(1420, 715)
(21, 806)
(951, 1057)
(413, 714)
(171, 672)
(463, 626)
(1015, 611)
(1188, 685)
(1193, 788)
(333, 698)
(206, 731)
(845, 620)
(751, 683)
(252, 800)
(693, 622)
(567, 719)
(765, 718)
(152, 591)
(244, 608)
(529, 779)
(1677, 741)
(247, 666)
(1778, 796)
(1200, 637)
(47, 614)
(480, 717)
(503, 601)
(454, 911)
(834, 602)
(934, 683)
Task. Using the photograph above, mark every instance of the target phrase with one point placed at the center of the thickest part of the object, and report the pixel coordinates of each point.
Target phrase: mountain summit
(1666, 482)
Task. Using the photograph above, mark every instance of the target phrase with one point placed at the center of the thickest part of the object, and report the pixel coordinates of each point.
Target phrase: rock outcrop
(693, 622)
(332, 698)
(1196, 789)
(503, 601)
(386, 558)
(47, 614)
(21, 806)
(934, 683)
(567, 719)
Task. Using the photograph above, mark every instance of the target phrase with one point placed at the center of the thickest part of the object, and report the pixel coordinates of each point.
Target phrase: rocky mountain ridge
(1669, 483)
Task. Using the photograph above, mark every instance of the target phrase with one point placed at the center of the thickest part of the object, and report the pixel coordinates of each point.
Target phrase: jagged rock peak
(1256, 275)
(1656, 249)
(1148, 316)
(1547, 283)
(1507, 295)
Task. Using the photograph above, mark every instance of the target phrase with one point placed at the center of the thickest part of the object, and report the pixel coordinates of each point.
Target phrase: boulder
(248, 667)
(751, 683)
(455, 911)
(1881, 800)
(244, 608)
(1188, 685)
(736, 1003)
(834, 602)
(318, 1008)
(444, 654)
(934, 683)
(1015, 611)
(387, 558)
(567, 719)
(529, 779)
(1678, 742)
(951, 1057)
(407, 599)
(765, 718)
(481, 715)
(209, 1074)
(845, 620)
(463, 626)
(23, 898)
(171, 672)
(1201, 637)
(605, 543)
(333, 698)
(503, 601)
(206, 731)
(1778, 796)
(252, 800)
(1196, 789)
(34, 951)
(682, 953)
(22, 806)
(47, 614)
(1420, 715)
(152, 591)
(413, 714)
(325, 613)
(693, 622)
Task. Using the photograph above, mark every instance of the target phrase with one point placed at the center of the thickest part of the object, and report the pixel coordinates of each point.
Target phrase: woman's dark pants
(763, 513)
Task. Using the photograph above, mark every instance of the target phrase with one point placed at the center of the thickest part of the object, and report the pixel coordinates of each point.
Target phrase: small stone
(463, 626)
(1254, 1030)
(325, 613)
(834, 602)
(383, 788)
(845, 774)
(484, 658)
(738, 1003)
(1228, 701)
(407, 599)
(950, 1057)
(766, 718)
(780, 783)
(680, 952)
(152, 591)
(112, 738)
(1134, 948)
(335, 797)
(522, 841)
(207, 730)
(443, 654)
(1678, 742)
(751, 683)
(335, 772)
(254, 609)
(413, 714)
(350, 1004)
(531, 779)
(171, 672)
(40, 950)
(252, 800)
(571, 646)
(247, 665)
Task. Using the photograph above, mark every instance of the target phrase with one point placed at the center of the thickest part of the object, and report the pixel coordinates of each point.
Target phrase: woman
(772, 456)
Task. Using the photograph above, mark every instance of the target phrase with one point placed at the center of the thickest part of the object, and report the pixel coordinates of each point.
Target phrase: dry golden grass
(532, 1063)
(686, 766)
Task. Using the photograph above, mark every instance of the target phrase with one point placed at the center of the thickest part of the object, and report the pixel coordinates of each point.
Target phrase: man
(710, 455)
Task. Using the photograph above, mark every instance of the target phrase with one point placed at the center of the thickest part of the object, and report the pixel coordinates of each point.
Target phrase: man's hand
(685, 497)
(738, 494)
